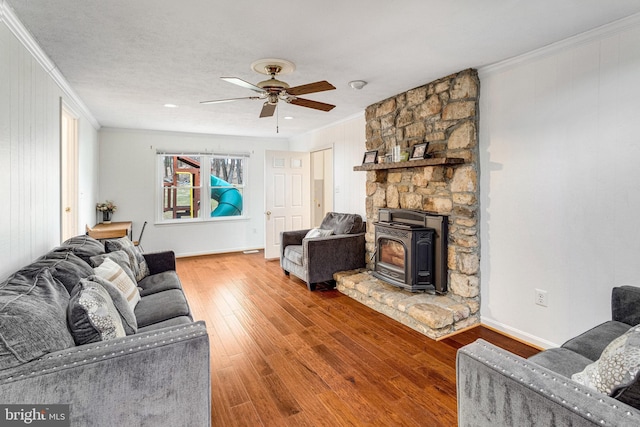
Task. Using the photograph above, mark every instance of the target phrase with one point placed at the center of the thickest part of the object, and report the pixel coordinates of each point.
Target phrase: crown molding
(23, 35)
(599, 33)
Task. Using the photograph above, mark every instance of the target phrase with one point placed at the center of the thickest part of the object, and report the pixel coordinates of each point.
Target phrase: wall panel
(559, 186)
(30, 154)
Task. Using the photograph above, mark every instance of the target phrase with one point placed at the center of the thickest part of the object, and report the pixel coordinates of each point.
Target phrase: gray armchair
(316, 259)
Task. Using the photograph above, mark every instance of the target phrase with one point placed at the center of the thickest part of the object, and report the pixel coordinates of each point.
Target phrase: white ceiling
(127, 58)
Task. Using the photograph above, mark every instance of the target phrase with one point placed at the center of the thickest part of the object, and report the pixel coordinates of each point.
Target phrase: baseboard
(459, 331)
(517, 334)
(223, 251)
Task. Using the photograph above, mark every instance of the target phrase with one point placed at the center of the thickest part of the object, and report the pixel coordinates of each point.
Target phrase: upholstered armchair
(315, 254)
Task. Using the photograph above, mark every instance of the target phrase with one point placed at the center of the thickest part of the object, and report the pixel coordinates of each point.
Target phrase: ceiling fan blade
(310, 88)
(219, 101)
(312, 104)
(244, 84)
(267, 110)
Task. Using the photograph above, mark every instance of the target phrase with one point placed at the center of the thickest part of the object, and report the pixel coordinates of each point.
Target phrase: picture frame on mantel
(370, 157)
(419, 151)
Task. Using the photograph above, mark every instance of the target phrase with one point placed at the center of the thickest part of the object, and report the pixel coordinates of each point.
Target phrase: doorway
(321, 185)
(68, 173)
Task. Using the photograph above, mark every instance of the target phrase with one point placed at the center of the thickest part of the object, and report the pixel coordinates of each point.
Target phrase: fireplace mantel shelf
(410, 164)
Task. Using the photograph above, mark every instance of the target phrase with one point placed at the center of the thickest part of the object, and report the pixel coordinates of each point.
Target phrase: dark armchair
(315, 259)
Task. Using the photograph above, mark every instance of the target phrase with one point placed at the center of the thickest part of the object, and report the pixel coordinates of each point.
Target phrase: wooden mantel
(410, 164)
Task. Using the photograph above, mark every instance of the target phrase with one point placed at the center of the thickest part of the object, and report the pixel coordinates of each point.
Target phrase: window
(201, 186)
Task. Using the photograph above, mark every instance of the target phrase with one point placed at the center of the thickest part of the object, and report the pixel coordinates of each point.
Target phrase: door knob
(67, 209)
(268, 213)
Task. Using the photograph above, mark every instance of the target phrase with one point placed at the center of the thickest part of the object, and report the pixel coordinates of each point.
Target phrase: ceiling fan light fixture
(357, 84)
(272, 83)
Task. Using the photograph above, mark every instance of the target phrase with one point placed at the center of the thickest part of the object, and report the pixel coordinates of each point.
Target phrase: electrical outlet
(541, 297)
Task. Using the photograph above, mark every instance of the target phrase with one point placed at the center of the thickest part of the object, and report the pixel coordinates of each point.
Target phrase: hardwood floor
(281, 355)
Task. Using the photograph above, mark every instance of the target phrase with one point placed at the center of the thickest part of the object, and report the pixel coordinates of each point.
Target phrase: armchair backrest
(343, 223)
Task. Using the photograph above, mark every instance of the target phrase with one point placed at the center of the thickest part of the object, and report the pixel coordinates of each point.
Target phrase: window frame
(204, 187)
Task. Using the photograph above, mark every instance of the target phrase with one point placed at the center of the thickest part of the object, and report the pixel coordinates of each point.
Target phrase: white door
(68, 174)
(287, 196)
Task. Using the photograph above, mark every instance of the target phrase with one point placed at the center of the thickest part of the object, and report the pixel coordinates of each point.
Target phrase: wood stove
(411, 250)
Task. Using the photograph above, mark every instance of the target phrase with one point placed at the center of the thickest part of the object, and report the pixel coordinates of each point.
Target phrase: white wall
(128, 177)
(30, 149)
(560, 183)
(348, 141)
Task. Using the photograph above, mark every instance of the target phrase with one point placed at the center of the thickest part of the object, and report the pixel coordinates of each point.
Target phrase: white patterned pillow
(112, 272)
(618, 365)
(127, 315)
(92, 317)
(318, 232)
(119, 257)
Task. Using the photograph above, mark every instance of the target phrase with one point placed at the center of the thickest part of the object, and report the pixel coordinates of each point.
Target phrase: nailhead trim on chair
(562, 380)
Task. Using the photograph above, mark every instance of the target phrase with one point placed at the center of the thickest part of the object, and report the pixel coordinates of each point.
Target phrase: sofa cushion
(119, 257)
(342, 223)
(294, 254)
(159, 282)
(121, 304)
(83, 246)
(617, 367)
(629, 394)
(590, 344)
(92, 315)
(175, 321)
(33, 317)
(318, 232)
(561, 360)
(138, 263)
(65, 266)
(112, 272)
(161, 306)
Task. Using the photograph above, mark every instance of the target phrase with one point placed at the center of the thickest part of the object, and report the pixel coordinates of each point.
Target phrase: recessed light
(288, 118)
(171, 105)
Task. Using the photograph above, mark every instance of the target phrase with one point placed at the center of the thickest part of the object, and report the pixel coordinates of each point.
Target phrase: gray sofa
(157, 374)
(498, 388)
(338, 245)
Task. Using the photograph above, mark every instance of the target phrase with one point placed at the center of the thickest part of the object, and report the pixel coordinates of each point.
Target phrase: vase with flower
(107, 208)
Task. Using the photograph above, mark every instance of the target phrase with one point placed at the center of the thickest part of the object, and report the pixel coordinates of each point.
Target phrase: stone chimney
(443, 113)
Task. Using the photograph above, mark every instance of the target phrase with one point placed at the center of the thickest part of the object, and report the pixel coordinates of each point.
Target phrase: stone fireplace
(443, 113)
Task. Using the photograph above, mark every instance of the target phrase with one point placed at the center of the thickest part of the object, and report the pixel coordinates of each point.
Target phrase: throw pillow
(127, 315)
(33, 321)
(119, 257)
(318, 232)
(83, 246)
(618, 365)
(113, 273)
(91, 315)
(342, 223)
(138, 263)
(66, 267)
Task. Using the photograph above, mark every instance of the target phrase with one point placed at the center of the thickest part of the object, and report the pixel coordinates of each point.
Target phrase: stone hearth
(435, 316)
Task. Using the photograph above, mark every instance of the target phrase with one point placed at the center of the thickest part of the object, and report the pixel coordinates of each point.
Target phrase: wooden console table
(113, 230)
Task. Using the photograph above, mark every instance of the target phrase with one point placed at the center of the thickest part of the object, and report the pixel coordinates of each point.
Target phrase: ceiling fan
(273, 90)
